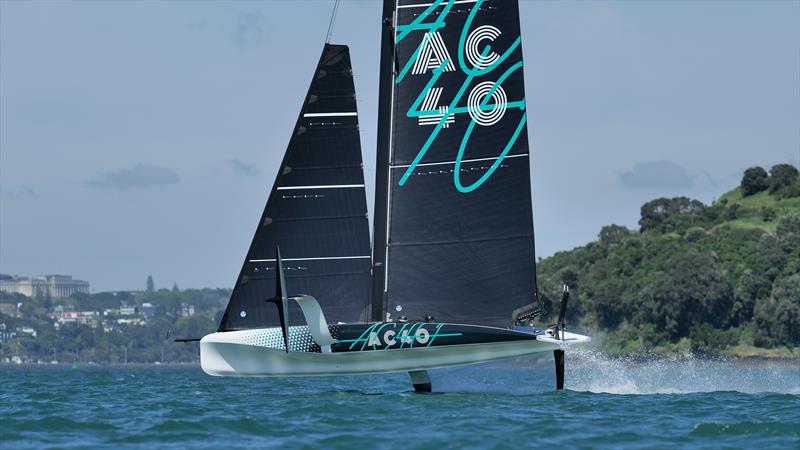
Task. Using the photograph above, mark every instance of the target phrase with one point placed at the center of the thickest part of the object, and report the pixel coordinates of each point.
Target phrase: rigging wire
(333, 19)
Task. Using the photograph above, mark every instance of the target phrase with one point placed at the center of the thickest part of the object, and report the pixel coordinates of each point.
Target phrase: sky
(142, 138)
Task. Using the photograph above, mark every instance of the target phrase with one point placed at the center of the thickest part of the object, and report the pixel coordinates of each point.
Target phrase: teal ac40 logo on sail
(474, 62)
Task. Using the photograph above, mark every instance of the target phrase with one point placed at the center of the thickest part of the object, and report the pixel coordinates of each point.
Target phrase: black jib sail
(316, 212)
(453, 226)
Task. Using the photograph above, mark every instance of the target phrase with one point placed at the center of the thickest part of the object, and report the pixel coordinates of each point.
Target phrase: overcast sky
(142, 138)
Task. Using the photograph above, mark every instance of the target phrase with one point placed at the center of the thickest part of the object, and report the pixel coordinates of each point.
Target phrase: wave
(713, 429)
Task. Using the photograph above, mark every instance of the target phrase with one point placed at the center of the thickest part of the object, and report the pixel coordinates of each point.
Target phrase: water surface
(609, 403)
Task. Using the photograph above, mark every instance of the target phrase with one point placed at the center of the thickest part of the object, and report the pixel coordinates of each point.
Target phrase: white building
(56, 286)
(147, 309)
(80, 317)
(186, 310)
(27, 330)
(126, 310)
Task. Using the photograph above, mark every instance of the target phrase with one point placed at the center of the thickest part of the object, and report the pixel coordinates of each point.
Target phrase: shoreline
(632, 359)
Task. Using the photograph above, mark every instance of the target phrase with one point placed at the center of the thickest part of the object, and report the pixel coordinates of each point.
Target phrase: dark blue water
(684, 403)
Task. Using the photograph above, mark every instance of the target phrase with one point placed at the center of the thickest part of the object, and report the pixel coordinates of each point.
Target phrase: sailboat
(449, 277)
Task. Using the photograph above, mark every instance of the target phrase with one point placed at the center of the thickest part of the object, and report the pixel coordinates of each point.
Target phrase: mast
(380, 221)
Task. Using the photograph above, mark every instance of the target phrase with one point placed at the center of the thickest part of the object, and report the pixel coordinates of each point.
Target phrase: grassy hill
(719, 278)
(761, 210)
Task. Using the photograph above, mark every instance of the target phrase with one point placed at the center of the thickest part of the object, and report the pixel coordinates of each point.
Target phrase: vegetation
(755, 180)
(151, 286)
(707, 278)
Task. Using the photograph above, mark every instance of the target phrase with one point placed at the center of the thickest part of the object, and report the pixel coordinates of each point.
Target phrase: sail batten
(316, 212)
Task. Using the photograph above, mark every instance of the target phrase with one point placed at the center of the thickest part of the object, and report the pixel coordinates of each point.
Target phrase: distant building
(81, 317)
(186, 310)
(56, 286)
(30, 331)
(147, 309)
(9, 309)
(6, 336)
(131, 321)
(126, 310)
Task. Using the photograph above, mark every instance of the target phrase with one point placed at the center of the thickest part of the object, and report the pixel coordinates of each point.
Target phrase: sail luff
(535, 274)
(380, 220)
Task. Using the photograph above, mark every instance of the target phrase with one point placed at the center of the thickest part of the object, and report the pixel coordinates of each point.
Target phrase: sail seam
(420, 5)
(459, 241)
(330, 114)
(319, 258)
(351, 166)
(442, 163)
(301, 219)
(292, 274)
(321, 186)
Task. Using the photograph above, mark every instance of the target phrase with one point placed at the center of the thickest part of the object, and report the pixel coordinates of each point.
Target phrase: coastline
(633, 359)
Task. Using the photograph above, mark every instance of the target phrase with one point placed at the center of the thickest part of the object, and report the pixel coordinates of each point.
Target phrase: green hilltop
(755, 207)
(720, 278)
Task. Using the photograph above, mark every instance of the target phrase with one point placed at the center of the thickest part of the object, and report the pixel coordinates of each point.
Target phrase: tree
(609, 306)
(691, 291)
(788, 233)
(150, 285)
(670, 214)
(755, 180)
(770, 256)
(709, 340)
(570, 277)
(767, 213)
(749, 288)
(175, 287)
(614, 234)
(778, 318)
(782, 176)
(793, 190)
(733, 211)
(694, 234)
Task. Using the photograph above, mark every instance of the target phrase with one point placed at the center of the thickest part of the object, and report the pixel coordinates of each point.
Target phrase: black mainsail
(316, 212)
(453, 234)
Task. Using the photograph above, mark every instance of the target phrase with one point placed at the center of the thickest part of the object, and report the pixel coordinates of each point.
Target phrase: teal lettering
(471, 73)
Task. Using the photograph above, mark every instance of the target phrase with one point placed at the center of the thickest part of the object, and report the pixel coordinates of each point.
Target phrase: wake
(592, 371)
(596, 372)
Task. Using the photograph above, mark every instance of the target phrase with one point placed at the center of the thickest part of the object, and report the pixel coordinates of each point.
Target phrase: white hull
(227, 353)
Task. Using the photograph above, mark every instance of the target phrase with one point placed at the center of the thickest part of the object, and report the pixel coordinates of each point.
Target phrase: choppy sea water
(609, 403)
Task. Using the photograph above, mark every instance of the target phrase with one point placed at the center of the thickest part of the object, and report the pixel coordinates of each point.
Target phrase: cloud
(138, 177)
(657, 175)
(243, 168)
(249, 29)
(19, 192)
